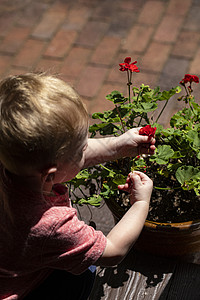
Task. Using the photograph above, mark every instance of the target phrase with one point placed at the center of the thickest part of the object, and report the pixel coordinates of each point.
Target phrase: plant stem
(129, 75)
(170, 142)
(78, 211)
(162, 111)
(90, 212)
(80, 189)
(190, 105)
(120, 118)
(165, 189)
(105, 168)
(129, 92)
(186, 90)
(140, 120)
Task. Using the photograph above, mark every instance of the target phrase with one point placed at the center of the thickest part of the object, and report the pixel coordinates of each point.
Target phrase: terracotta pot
(178, 240)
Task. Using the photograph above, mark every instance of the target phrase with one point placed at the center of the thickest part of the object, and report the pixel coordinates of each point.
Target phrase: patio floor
(147, 277)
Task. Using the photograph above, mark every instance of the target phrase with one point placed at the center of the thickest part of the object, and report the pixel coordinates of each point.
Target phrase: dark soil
(169, 202)
(169, 205)
(174, 206)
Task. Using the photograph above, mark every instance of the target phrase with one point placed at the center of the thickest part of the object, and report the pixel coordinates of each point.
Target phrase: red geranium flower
(128, 66)
(189, 78)
(195, 78)
(147, 130)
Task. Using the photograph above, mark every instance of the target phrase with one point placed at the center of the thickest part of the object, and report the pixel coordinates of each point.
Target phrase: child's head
(42, 120)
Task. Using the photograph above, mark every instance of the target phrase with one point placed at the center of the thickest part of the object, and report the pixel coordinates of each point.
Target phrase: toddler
(45, 251)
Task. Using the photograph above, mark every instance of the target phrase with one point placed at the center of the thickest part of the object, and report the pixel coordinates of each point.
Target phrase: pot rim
(152, 225)
(181, 225)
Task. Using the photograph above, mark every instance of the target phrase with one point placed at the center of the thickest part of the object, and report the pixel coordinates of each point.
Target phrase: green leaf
(186, 173)
(119, 179)
(106, 191)
(83, 174)
(143, 107)
(166, 95)
(98, 116)
(111, 173)
(194, 138)
(159, 129)
(96, 127)
(104, 128)
(177, 154)
(116, 97)
(163, 154)
(94, 200)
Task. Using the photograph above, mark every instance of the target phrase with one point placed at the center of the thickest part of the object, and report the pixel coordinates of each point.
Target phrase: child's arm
(125, 233)
(128, 144)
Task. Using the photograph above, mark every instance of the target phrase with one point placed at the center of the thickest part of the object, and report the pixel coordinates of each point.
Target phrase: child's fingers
(135, 178)
(127, 185)
(144, 178)
(123, 186)
(141, 174)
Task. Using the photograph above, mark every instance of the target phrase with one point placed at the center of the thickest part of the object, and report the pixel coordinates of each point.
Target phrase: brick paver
(138, 38)
(195, 65)
(192, 19)
(75, 62)
(156, 56)
(5, 62)
(152, 12)
(172, 74)
(50, 22)
(29, 54)
(49, 65)
(106, 51)
(91, 34)
(91, 81)
(77, 17)
(169, 28)
(187, 44)
(31, 15)
(101, 103)
(6, 23)
(179, 7)
(13, 40)
(61, 43)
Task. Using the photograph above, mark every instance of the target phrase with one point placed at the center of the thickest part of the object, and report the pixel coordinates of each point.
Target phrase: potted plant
(172, 226)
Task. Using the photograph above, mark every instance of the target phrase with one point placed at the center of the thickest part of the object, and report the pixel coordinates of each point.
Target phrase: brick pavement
(84, 40)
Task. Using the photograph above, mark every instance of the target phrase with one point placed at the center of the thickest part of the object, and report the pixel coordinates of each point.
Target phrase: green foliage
(177, 156)
(129, 113)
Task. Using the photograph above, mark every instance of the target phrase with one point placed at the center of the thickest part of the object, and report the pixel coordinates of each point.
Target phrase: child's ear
(49, 174)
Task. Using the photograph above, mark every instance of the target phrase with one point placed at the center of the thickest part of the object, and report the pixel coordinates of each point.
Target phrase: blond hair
(41, 119)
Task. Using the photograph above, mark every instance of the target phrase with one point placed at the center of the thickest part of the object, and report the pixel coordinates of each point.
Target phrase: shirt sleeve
(68, 243)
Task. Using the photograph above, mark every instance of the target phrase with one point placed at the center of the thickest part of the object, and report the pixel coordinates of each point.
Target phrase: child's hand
(132, 144)
(139, 186)
(125, 233)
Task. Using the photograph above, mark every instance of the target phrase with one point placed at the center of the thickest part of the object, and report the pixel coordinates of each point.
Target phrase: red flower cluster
(189, 78)
(128, 66)
(147, 130)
